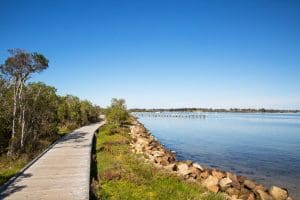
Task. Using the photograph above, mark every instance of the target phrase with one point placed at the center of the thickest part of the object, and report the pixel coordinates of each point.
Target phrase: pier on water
(170, 115)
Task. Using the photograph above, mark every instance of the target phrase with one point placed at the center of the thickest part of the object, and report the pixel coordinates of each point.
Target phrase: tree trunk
(23, 128)
(11, 145)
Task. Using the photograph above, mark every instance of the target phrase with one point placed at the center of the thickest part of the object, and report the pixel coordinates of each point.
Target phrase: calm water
(263, 147)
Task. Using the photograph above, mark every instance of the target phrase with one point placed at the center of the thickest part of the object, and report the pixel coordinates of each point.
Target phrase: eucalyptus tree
(18, 68)
(41, 116)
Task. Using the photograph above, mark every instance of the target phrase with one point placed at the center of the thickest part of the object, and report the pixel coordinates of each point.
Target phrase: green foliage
(72, 112)
(46, 115)
(117, 113)
(32, 116)
(124, 175)
(41, 116)
(21, 64)
(9, 167)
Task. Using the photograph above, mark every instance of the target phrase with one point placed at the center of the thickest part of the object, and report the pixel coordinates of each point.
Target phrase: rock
(251, 196)
(204, 174)
(217, 174)
(244, 193)
(189, 162)
(171, 158)
(278, 193)
(156, 153)
(259, 187)
(263, 195)
(171, 167)
(182, 166)
(210, 181)
(235, 183)
(213, 188)
(249, 184)
(241, 179)
(195, 172)
(162, 160)
(234, 197)
(196, 165)
(183, 169)
(225, 183)
(142, 141)
(232, 191)
(148, 148)
(185, 172)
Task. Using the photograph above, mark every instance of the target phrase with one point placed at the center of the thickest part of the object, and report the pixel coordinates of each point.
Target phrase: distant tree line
(32, 114)
(237, 110)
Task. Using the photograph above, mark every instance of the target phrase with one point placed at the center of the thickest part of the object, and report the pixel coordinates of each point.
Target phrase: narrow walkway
(63, 172)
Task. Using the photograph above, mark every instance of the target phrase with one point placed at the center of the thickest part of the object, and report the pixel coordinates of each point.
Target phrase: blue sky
(163, 53)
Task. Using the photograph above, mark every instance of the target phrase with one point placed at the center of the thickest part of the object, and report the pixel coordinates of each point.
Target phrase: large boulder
(225, 183)
(171, 167)
(196, 165)
(232, 191)
(232, 177)
(244, 193)
(249, 196)
(210, 181)
(263, 195)
(183, 169)
(142, 141)
(278, 193)
(217, 174)
(189, 162)
(213, 188)
(162, 160)
(195, 172)
(259, 187)
(157, 153)
(204, 174)
(249, 184)
(182, 166)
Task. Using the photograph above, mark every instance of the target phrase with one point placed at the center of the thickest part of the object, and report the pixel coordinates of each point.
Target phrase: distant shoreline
(231, 110)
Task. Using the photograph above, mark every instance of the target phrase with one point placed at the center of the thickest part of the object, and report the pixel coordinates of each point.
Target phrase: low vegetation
(125, 175)
(32, 115)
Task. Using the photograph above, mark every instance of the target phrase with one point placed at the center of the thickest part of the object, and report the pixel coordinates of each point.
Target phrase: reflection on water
(264, 147)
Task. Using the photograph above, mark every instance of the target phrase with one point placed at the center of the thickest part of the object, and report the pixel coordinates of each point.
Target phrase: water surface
(263, 147)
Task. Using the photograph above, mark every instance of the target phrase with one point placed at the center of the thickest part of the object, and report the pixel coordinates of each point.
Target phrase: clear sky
(163, 53)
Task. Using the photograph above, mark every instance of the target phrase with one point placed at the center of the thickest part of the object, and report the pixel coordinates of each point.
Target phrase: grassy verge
(8, 167)
(124, 175)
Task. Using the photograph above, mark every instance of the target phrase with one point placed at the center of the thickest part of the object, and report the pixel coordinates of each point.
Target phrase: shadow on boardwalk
(13, 187)
(61, 172)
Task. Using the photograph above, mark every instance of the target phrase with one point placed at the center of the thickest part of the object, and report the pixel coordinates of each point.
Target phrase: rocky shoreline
(233, 187)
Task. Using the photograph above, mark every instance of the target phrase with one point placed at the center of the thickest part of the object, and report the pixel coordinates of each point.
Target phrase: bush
(117, 114)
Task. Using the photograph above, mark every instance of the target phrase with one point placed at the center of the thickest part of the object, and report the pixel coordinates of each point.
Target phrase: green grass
(124, 175)
(63, 130)
(8, 167)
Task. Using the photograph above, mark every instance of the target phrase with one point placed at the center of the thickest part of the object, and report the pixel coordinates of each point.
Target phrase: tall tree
(18, 69)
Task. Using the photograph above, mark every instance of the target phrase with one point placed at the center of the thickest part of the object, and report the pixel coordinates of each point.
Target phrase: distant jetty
(170, 115)
(232, 110)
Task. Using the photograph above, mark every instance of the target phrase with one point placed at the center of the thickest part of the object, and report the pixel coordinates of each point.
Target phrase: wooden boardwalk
(62, 172)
